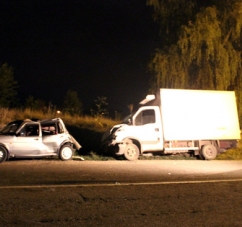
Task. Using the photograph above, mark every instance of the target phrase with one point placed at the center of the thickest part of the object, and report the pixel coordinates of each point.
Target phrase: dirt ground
(118, 204)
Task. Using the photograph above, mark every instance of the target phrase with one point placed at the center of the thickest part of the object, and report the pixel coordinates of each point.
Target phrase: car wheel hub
(67, 153)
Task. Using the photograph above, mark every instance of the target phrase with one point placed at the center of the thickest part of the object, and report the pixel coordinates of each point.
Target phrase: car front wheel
(3, 154)
(66, 153)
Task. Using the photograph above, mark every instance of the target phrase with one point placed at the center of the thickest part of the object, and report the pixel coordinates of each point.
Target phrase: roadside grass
(232, 154)
(99, 157)
(169, 157)
(99, 124)
(96, 157)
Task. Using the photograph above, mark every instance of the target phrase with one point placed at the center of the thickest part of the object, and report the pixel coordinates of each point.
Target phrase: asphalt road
(121, 193)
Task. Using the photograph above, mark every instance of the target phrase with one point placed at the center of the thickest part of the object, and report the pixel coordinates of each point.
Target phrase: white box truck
(201, 122)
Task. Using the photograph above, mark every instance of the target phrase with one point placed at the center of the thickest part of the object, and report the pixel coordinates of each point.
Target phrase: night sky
(94, 47)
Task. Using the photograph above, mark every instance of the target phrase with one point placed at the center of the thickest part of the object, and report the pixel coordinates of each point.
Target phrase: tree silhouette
(72, 104)
(100, 108)
(8, 86)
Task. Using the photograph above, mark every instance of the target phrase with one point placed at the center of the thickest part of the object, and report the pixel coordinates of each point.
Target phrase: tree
(171, 15)
(35, 104)
(8, 86)
(100, 106)
(72, 103)
(206, 53)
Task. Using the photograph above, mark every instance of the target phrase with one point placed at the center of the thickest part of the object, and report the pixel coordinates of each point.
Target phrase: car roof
(50, 120)
(46, 121)
(19, 122)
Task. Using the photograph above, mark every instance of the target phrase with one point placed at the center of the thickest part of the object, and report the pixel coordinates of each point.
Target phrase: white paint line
(118, 184)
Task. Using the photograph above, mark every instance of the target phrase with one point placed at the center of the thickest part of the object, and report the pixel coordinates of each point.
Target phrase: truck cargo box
(199, 115)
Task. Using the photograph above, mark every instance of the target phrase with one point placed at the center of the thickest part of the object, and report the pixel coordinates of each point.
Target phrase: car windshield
(11, 128)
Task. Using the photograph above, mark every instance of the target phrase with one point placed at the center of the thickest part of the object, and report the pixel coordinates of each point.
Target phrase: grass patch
(98, 157)
(231, 154)
(184, 156)
(98, 124)
(92, 156)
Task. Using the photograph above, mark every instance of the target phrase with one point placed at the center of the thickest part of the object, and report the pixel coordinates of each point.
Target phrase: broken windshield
(11, 128)
(128, 120)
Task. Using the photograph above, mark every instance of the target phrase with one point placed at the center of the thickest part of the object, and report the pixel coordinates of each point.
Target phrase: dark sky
(94, 47)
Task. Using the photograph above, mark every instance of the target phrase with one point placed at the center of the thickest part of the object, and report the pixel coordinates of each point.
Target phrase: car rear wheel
(66, 153)
(3, 154)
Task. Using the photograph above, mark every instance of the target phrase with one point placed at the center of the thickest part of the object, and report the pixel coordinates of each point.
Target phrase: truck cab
(143, 131)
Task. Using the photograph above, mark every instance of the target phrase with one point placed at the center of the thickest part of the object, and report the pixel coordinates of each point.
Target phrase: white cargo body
(198, 122)
(199, 115)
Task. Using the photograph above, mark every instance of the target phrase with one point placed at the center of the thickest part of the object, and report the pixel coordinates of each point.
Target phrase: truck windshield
(128, 120)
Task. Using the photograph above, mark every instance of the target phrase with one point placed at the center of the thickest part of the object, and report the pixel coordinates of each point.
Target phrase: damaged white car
(36, 139)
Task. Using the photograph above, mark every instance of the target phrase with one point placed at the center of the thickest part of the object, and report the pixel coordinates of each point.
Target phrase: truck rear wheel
(209, 152)
(131, 152)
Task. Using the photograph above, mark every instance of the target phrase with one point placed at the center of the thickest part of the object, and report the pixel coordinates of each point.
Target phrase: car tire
(3, 154)
(66, 153)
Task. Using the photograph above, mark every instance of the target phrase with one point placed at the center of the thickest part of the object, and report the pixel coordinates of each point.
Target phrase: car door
(53, 136)
(28, 141)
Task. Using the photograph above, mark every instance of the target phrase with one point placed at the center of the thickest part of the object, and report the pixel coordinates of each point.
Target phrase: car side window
(48, 130)
(32, 130)
(29, 130)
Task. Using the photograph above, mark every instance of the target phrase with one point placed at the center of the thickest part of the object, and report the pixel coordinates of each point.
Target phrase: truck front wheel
(209, 152)
(131, 152)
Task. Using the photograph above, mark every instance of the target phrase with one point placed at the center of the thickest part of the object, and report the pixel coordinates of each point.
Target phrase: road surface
(121, 193)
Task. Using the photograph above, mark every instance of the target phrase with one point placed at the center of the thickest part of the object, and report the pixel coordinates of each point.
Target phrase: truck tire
(66, 153)
(131, 152)
(3, 154)
(209, 152)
